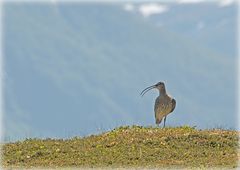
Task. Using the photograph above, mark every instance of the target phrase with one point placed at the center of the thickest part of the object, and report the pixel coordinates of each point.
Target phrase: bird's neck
(162, 91)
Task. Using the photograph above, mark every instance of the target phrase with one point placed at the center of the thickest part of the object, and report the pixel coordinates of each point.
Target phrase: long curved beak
(147, 89)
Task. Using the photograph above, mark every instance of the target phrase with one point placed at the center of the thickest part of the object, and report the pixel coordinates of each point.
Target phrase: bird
(164, 103)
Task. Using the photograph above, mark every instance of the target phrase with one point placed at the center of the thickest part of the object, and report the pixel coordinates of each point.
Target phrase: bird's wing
(173, 105)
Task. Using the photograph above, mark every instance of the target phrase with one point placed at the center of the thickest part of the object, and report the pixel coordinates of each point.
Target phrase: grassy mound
(129, 147)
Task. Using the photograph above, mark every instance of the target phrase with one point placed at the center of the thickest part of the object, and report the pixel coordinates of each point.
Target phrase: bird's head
(160, 86)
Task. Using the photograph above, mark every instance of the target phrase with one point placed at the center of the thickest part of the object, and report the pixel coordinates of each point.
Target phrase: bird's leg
(164, 121)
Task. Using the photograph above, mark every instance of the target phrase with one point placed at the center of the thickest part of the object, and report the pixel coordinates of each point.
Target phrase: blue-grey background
(78, 68)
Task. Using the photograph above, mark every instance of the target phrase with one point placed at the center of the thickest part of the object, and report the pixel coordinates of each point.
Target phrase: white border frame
(99, 1)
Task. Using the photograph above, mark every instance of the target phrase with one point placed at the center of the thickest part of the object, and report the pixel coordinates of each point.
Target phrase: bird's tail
(158, 121)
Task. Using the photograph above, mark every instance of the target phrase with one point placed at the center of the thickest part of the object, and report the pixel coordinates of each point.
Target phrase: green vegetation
(134, 146)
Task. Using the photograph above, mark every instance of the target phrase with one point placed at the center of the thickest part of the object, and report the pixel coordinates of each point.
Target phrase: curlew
(164, 104)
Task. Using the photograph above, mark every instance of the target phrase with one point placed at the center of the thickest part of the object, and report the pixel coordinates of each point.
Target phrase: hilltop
(134, 146)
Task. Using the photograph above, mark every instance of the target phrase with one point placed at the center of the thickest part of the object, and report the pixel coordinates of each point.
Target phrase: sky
(152, 8)
(84, 65)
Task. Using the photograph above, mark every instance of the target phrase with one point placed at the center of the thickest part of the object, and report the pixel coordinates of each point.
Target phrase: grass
(128, 147)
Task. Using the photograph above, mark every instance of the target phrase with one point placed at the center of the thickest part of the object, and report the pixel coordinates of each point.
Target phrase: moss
(127, 146)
